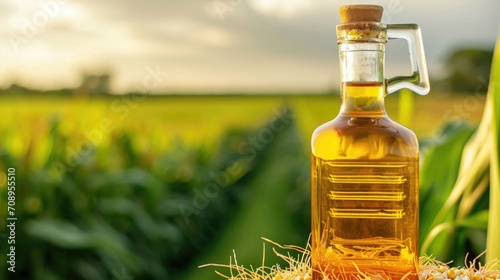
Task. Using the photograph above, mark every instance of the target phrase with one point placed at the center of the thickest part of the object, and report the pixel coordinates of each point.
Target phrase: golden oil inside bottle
(364, 192)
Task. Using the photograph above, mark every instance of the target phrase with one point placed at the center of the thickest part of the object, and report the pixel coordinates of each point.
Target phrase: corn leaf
(438, 174)
(493, 103)
(478, 220)
(60, 233)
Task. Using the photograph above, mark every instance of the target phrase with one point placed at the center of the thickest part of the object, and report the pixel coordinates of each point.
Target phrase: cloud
(256, 44)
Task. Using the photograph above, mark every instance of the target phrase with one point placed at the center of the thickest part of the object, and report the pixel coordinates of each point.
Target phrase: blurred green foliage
(149, 215)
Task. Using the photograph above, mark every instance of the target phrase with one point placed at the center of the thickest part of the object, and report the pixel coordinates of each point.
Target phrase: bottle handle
(419, 79)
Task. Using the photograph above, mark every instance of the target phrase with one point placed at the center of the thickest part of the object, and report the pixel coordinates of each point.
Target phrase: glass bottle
(364, 190)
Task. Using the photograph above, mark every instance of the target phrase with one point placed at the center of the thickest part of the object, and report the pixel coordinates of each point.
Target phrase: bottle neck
(362, 76)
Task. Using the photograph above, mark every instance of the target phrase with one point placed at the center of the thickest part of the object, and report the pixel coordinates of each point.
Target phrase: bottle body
(364, 191)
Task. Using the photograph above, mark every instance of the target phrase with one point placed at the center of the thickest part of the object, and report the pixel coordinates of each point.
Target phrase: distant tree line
(468, 71)
(91, 84)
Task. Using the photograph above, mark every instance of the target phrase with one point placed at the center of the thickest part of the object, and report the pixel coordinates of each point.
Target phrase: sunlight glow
(281, 8)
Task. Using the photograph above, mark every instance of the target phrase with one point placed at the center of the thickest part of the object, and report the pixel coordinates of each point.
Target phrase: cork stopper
(356, 13)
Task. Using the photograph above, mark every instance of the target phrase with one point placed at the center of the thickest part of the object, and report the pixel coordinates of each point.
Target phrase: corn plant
(116, 213)
(456, 201)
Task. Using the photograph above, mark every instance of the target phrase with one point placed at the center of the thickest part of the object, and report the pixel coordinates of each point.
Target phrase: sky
(215, 45)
